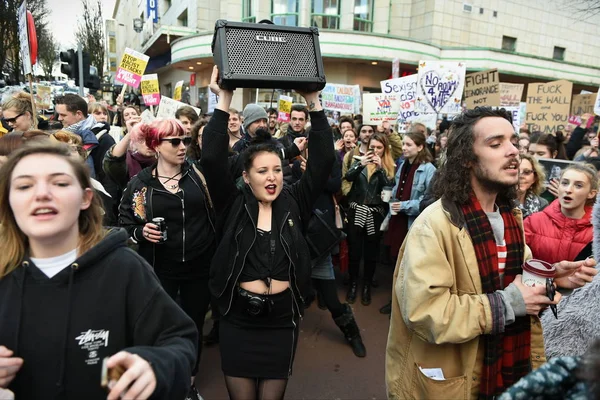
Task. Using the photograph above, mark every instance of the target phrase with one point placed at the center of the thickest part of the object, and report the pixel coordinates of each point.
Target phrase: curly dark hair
(454, 177)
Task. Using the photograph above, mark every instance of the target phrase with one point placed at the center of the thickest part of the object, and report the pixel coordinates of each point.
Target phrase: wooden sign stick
(33, 108)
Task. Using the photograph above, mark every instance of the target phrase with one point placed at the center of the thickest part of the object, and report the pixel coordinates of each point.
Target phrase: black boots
(352, 289)
(365, 298)
(347, 325)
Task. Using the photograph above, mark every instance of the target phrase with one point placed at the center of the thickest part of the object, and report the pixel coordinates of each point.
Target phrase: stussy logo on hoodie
(91, 341)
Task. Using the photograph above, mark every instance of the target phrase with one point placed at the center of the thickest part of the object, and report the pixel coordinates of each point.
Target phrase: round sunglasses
(175, 142)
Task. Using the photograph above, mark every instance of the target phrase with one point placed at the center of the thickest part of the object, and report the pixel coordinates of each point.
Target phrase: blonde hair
(590, 172)
(14, 242)
(21, 102)
(386, 160)
(538, 186)
(93, 107)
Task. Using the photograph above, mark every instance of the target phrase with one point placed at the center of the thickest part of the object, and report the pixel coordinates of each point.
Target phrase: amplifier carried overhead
(264, 55)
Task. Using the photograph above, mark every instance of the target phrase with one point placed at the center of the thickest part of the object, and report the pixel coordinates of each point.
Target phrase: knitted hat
(252, 113)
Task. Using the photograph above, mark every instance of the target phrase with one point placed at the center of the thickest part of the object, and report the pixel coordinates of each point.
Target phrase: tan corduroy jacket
(439, 311)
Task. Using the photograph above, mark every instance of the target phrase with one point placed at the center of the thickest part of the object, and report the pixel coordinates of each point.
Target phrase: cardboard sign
(548, 106)
(168, 107)
(597, 104)
(379, 107)
(440, 87)
(177, 91)
(510, 94)
(344, 99)
(406, 90)
(583, 103)
(24, 39)
(482, 89)
(150, 90)
(131, 68)
(285, 108)
(43, 97)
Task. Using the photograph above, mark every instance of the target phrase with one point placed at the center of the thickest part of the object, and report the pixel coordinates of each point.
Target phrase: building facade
(527, 40)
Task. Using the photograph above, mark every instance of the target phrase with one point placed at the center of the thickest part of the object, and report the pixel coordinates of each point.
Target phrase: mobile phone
(110, 374)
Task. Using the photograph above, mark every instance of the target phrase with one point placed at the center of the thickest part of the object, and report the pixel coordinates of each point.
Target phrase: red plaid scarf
(507, 351)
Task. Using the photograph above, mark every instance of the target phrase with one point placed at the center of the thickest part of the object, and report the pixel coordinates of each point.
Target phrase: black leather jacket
(237, 210)
(365, 191)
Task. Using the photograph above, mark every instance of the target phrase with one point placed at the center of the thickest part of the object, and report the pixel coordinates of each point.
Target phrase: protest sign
(177, 91)
(150, 90)
(379, 107)
(131, 68)
(516, 116)
(510, 94)
(212, 101)
(406, 91)
(482, 89)
(548, 106)
(285, 108)
(429, 120)
(342, 98)
(583, 103)
(440, 87)
(24, 39)
(554, 167)
(168, 107)
(147, 117)
(43, 97)
(597, 104)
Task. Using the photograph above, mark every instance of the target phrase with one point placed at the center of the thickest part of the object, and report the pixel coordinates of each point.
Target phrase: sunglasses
(551, 292)
(175, 142)
(12, 120)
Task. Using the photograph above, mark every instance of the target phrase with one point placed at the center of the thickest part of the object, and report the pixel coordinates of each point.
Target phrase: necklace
(169, 178)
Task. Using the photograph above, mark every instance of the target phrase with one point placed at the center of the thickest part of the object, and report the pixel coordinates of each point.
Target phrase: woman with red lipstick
(563, 230)
(262, 266)
(172, 189)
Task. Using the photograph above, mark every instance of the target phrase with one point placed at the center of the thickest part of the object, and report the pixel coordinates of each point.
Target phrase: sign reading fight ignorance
(379, 107)
(150, 90)
(132, 67)
(482, 89)
(548, 106)
(583, 103)
(405, 90)
(344, 99)
(510, 94)
(440, 87)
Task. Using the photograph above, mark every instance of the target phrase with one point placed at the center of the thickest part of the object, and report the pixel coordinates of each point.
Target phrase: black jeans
(363, 246)
(195, 300)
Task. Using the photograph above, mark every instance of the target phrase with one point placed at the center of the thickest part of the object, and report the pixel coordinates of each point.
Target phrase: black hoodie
(107, 301)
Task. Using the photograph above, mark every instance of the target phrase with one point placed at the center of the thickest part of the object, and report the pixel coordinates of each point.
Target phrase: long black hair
(454, 177)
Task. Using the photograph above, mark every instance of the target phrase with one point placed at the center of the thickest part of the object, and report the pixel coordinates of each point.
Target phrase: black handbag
(322, 235)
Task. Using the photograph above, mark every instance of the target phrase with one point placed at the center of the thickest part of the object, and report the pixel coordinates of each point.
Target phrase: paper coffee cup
(386, 194)
(391, 210)
(535, 272)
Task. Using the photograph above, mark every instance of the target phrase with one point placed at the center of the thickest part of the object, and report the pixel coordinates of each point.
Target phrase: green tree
(90, 32)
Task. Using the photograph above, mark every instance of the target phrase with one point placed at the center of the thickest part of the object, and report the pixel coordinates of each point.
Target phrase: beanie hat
(252, 113)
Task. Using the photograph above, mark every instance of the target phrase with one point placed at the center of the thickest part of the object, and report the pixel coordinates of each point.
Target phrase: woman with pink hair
(167, 210)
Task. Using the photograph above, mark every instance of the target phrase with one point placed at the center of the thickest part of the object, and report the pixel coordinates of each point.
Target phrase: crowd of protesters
(136, 230)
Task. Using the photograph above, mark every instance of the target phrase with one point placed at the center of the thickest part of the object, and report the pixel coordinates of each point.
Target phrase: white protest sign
(440, 87)
(168, 107)
(344, 99)
(597, 104)
(516, 116)
(147, 117)
(406, 90)
(212, 101)
(24, 39)
(379, 107)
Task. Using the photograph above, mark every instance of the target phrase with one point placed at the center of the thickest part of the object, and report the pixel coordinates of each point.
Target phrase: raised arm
(215, 149)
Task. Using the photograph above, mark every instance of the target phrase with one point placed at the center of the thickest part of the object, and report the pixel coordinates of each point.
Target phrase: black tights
(327, 290)
(255, 389)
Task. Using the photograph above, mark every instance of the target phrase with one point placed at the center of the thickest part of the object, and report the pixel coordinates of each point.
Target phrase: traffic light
(69, 66)
(93, 81)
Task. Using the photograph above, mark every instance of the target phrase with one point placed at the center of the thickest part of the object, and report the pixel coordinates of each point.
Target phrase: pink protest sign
(132, 67)
(150, 90)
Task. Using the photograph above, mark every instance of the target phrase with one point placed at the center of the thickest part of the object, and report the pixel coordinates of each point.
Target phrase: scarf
(506, 354)
(137, 162)
(363, 217)
(398, 228)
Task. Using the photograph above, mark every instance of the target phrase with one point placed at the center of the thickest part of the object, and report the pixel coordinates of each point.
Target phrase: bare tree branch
(47, 51)
(90, 32)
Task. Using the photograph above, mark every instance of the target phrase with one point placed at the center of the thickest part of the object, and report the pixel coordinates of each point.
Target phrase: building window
(284, 12)
(509, 43)
(559, 53)
(363, 15)
(325, 14)
(182, 20)
(248, 12)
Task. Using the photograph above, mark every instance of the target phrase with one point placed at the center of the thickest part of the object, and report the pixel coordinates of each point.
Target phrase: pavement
(325, 367)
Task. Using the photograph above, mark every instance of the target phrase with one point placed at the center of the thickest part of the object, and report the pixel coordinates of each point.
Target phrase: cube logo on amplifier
(268, 56)
(265, 38)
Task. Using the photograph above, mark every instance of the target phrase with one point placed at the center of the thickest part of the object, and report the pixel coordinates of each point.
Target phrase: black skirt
(260, 346)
